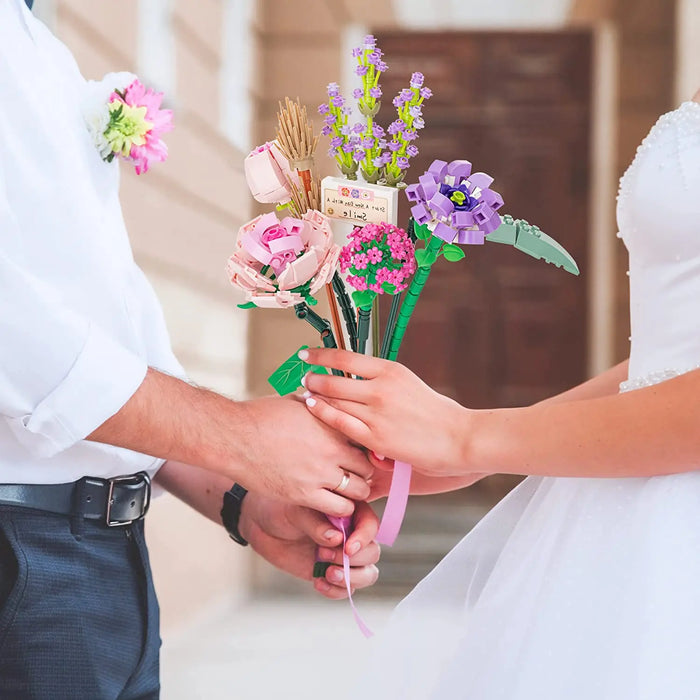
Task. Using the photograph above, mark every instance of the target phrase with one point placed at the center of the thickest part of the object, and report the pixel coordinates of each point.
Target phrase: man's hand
(271, 446)
(289, 537)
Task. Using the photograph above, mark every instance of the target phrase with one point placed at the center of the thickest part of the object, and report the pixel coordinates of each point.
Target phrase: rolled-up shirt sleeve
(61, 375)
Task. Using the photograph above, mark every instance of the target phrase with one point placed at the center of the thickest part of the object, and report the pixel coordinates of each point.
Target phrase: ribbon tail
(395, 504)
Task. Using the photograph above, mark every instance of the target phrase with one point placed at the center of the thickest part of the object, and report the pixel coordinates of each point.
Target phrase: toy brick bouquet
(340, 236)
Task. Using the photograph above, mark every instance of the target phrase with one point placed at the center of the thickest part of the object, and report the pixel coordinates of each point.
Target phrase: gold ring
(343, 483)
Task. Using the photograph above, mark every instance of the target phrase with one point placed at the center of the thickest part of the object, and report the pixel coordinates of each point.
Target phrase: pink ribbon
(344, 524)
(395, 504)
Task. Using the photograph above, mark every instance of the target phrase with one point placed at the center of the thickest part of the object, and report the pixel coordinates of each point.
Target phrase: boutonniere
(125, 119)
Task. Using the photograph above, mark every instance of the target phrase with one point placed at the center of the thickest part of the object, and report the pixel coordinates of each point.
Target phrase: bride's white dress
(575, 588)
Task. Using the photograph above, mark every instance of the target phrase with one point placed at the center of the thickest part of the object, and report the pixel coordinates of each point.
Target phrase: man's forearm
(171, 419)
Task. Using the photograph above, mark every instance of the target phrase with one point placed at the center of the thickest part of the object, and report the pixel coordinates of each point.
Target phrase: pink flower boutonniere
(125, 119)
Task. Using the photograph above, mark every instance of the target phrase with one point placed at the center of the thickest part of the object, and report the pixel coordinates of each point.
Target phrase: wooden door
(499, 328)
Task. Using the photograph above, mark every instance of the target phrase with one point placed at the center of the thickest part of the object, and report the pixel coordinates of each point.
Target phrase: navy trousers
(79, 618)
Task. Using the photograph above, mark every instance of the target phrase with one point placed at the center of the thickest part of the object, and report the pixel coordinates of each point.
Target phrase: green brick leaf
(422, 232)
(389, 288)
(452, 252)
(286, 379)
(363, 299)
(248, 305)
(425, 257)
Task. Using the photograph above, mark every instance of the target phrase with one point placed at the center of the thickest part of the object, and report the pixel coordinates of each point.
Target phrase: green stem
(390, 324)
(321, 325)
(375, 327)
(347, 308)
(414, 290)
(364, 315)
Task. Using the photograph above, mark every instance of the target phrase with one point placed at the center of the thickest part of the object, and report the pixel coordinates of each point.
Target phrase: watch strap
(231, 512)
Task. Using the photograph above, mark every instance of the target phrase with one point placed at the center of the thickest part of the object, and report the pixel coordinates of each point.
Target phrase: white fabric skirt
(569, 589)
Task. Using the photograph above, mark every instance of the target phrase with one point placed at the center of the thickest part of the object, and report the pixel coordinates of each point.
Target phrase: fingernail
(335, 575)
(330, 534)
(310, 402)
(354, 548)
(307, 394)
(303, 355)
(325, 554)
(303, 380)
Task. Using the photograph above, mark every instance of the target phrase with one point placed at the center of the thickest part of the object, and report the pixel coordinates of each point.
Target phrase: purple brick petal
(438, 168)
(459, 169)
(462, 219)
(481, 180)
(421, 214)
(445, 232)
(414, 193)
(471, 237)
(441, 204)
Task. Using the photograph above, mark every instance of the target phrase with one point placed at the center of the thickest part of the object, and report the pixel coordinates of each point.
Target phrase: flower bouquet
(342, 233)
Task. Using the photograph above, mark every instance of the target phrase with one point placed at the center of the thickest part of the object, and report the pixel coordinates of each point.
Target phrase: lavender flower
(412, 151)
(397, 102)
(357, 52)
(361, 70)
(410, 135)
(323, 109)
(338, 101)
(415, 110)
(357, 93)
(375, 92)
(402, 162)
(359, 156)
(370, 42)
(396, 126)
(329, 120)
(419, 123)
(417, 80)
(348, 147)
(358, 128)
(326, 131)
(426, 93)
(394, 146)
(337, 141)
(333, 89)
(378, 130)
(367, 142)
(382, 67)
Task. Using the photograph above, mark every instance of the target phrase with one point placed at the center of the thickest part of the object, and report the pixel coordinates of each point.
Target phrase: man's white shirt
(79, 322)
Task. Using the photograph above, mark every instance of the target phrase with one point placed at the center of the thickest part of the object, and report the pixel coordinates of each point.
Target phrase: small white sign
(359, 202)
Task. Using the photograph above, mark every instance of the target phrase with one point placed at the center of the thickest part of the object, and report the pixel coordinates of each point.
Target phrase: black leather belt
(117, 501)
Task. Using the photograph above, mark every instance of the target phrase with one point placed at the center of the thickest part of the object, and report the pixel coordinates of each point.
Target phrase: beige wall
(182, 217)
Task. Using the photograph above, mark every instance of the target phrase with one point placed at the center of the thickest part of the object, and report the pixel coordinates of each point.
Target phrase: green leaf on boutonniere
(287, 377)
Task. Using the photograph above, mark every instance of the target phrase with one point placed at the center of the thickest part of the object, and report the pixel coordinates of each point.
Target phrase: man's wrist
(231, 511)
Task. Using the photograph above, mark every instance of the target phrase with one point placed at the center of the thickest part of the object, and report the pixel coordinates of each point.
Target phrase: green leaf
(363, 299)
(287, 377)
(452, 252)
(248, 305)
(422, 232)
(389, 288)
(425, 257)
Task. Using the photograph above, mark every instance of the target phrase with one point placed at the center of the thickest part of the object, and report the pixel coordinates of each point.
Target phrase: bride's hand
(391, 411)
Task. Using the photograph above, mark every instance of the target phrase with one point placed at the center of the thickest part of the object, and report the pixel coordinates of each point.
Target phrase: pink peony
(268, 174)
(280, 263)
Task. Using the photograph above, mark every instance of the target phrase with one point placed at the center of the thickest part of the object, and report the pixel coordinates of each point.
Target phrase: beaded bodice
(659, 219)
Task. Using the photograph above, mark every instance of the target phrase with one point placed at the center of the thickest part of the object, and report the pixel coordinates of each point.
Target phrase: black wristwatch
(231, 513)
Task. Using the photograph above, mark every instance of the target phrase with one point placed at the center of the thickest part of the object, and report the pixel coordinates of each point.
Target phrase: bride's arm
(646, 432)
(605, 384)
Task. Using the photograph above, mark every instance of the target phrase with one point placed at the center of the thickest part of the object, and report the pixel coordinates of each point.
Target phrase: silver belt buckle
(134, 479)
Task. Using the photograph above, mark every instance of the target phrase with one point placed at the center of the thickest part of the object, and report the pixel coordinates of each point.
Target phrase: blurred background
(551, 97)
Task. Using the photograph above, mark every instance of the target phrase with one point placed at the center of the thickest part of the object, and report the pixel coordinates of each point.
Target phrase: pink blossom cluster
(378, 255)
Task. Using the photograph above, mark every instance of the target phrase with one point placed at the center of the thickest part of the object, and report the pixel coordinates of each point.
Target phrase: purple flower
(378, 130)
(419, 123)
(348, 147)
(377, 162)
(396, 127)
(370, 42)
(323, 109)
(417, 80)
(332, 152)
(326, 131)
(382, 67)
(407, 95)
(358, 128)
(386, 157)
(426, 93)
(347, 110)
(358, 93)
(394, 146)
(357, 52)
(410, 135)
(337, 141)
(329, 120)
(338, 101)
(359, 156)
(361, 70)
(345, 130)
(367, 142)
(402, 162)
(412, 151)
(375, 92)
(333, 89)
(397, 102)
(415, 111)
(375, 57)
(381, 143)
